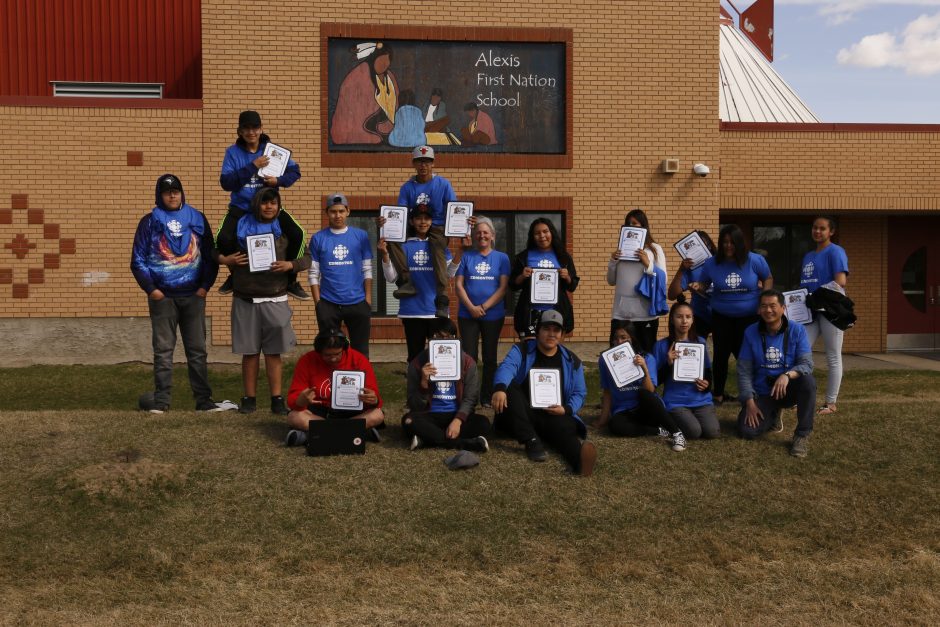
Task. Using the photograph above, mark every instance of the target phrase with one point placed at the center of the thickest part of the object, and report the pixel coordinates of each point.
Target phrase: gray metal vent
(75, 89)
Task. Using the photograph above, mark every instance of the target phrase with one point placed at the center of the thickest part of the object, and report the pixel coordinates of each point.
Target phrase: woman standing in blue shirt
(737, 277)
(689, 403)
(687, 278)
(481, 288)
(825, 265)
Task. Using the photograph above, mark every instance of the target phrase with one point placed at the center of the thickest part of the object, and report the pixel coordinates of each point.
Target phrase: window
(783, 246)
(512, 230)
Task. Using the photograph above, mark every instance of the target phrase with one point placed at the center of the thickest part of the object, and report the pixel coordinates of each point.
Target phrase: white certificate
(692, 247)
(797, 311)
(445, 356)
(395, 228)
(544, 289)
(544, 387)
(346, 386)
(458, 216)
(278, 156)
(260, 252)
(690, 362)
(632, 239)
(619, 362)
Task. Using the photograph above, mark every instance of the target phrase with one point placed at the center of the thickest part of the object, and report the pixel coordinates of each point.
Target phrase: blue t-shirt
(481, 275)
(680, 393)
(736, 292)
(443, 396)
(340, 257)
(622, 399)
(537, 258)
(701, 305)
(418, 255)
(438, 193)
(821, 268)
(769, 356)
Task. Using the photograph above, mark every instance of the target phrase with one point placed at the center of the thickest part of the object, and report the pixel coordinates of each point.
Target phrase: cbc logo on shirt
(421, 257)
(340, 252)
(176, 228)
(443, 387)
(423, 199)
(772, 355)
(546, 263)
(733, 280)
(808, 269)
(482, 268)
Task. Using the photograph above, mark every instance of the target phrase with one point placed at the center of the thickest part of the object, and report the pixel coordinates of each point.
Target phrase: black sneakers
(146, 402)
(295, 290)
(535, 450)
(278, 406)
(228, 287)
(248, 405)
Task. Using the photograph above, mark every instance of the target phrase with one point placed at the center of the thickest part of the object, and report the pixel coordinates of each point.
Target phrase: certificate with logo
(690, 362)
(395, 228)
(445, 357)
(632, 239)
(458, 219)
(260, 252)
(544, 387)
(544, 287)
(619, 362)
(693, 247)
(346, 386)
(797, 311)
(278, 157)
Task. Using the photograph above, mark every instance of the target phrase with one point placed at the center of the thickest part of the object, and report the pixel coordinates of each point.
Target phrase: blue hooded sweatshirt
(240, 175)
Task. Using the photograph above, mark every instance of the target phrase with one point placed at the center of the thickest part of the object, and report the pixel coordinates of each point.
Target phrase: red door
(914, 283)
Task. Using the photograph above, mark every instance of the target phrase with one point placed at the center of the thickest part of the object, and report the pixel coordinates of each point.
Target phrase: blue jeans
(189, 314)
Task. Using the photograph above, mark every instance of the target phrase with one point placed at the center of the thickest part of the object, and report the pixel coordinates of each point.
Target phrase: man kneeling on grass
(310, 393)
(260, 313)
(559, 424)
(441, 412)
(775, 370)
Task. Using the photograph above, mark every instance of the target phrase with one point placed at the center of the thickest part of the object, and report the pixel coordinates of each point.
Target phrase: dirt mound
(129, 473)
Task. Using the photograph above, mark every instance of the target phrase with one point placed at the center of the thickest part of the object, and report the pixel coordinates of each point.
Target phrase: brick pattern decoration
(630, 111)
(27, 247)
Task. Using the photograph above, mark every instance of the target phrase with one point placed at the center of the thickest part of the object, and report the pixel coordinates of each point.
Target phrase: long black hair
(707, 240)
(264, 194)
(680, 302)
(737, 238)
(640, 216)
(558, 245)
(627, 326)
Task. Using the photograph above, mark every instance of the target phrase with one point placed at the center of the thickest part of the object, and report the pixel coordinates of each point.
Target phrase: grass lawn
(112, 516)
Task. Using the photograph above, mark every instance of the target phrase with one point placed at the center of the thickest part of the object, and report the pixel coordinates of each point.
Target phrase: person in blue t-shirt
(441, 413)
(824, 266)
(688, 278)
(544, 249)
(775, 370)
(433, 191)
(240, 176)
(635, 410)
(481, 289)
(417, 312)
(736, 277)
(341, 275)
(688, 402)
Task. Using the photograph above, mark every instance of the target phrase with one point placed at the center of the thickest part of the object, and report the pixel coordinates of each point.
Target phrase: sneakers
(777, 425)
(416, 443)
(800, 446)
(662, 433)
(405, 289)
(295, 290)
(373, 435)
(535, 450)
(588, 458)
(248, 405)
(278, 406)
(211, 405)
(295, 437)
(228, 287)
(442, 306)
(146, 402)
(478, 444)
(678, 441)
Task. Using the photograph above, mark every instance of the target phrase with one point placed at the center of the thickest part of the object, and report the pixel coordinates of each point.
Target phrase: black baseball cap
(249, 119)
(167, 182)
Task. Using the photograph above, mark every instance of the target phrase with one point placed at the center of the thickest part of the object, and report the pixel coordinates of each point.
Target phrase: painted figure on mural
(368, 98)
(409, 123)
(435, 115)
(480, 129)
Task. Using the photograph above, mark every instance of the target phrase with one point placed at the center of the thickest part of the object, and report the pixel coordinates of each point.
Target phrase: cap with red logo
(422, 152)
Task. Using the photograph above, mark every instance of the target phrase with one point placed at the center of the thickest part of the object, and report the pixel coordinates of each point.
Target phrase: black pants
(358, 320)
(470, 331)
(728, 336)
(800, 392)
(226, 240)
(432, 428)
(525, 423)
(703, 327)
(646, 331)
(644, 419)
(417, 331)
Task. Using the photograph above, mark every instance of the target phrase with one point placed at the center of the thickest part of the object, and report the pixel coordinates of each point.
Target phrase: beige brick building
(643, 87)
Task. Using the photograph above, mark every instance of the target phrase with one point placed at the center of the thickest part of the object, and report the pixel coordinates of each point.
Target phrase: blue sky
(860, 60)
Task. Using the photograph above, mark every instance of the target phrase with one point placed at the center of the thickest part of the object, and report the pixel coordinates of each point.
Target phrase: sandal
(826, 409)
